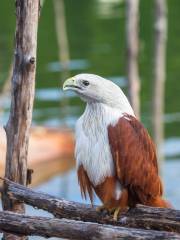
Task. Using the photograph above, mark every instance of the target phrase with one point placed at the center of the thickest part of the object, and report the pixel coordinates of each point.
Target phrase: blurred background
(92, 36)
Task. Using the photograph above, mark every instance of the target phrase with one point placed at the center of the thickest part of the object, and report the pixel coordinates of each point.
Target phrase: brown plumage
(85, 184)
(136, 162)
(136, 168)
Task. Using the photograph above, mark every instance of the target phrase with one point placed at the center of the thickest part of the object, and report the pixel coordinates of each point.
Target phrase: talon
(116, 213)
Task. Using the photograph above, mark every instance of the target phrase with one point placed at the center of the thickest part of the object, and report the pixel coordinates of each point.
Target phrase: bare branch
(63, 228)
(140, 217)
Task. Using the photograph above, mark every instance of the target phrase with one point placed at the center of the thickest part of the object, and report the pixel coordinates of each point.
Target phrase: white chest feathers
(92, 144)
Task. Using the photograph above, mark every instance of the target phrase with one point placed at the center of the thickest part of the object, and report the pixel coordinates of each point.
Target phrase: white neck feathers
(92, 144)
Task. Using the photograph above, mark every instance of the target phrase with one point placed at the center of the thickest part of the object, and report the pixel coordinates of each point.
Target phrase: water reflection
(172, 147)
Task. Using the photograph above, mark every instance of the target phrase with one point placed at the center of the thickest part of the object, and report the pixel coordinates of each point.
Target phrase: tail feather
(160, 202)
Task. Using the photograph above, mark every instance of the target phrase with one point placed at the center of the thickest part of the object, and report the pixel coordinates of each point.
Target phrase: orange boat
(50, 152)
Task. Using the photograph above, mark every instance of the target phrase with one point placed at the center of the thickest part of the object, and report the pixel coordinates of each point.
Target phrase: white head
(93, 88)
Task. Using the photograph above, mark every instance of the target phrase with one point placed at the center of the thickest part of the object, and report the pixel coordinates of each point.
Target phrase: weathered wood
(140, 217)
(63, 228)
(22, 96)
(132, 49)
(160, 30)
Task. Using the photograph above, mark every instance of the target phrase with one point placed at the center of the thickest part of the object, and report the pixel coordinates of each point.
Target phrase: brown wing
(85, 184)
(134, 154)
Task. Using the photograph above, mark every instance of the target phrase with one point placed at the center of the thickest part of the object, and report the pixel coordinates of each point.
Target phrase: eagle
(115, 155)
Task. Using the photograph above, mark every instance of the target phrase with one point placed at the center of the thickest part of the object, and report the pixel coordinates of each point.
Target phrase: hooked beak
(70, 84)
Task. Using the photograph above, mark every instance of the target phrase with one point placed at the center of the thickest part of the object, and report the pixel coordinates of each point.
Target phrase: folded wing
(135, 159)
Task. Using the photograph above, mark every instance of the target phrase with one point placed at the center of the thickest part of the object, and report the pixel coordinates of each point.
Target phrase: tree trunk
(70, 229)
(22, 96)
(140, 217)
(160, 28)
(132, 30)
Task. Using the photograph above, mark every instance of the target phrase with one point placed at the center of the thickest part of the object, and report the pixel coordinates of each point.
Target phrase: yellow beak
(70, 83)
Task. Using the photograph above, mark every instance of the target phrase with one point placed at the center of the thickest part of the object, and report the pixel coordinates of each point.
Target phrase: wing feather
(135, 159)
(85, 184)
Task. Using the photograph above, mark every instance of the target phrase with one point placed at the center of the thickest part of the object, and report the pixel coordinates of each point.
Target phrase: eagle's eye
(85, 82)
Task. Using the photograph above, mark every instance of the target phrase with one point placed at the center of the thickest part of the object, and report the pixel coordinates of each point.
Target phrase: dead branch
(63, 228)
(140, 217)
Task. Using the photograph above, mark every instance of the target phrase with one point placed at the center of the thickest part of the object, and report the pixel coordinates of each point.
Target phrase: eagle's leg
(116, 213)
(123, 205)
(106, 207)
(115, 207)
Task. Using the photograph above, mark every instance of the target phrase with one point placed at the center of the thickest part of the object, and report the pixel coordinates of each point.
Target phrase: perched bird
(115, 155)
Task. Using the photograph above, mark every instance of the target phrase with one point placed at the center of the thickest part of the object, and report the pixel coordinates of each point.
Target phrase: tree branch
(140, 217)
(63, 228)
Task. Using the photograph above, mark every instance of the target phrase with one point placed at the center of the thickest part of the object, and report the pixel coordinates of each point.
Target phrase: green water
(96, 35)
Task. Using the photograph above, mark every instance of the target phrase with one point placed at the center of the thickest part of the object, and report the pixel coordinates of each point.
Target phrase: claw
(116, 213)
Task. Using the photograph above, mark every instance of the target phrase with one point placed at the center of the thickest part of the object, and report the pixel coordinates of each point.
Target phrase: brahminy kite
(115, 155)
